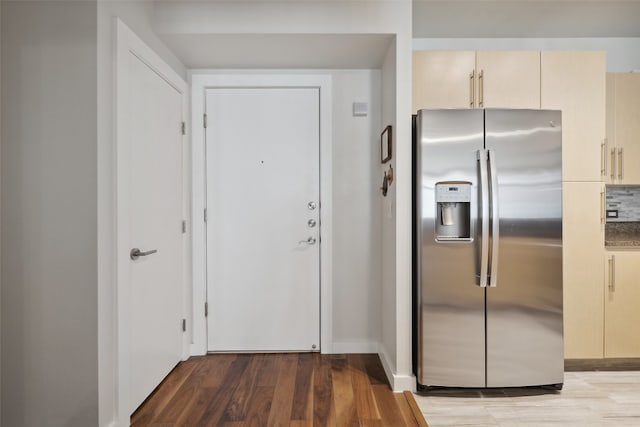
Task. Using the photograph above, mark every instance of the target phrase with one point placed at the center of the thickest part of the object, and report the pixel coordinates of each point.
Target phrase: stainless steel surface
(309, 241)
(472, 88)
(524, 314)
(450, 307)
(613, 163)
(311, 223)
(484, 218)
(137, 253)
(495, 219)
(603, 157)
(481, 89)
(511, 335)
(620, 163)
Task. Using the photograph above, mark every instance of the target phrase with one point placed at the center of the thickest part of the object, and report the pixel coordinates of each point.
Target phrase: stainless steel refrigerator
(488, 248)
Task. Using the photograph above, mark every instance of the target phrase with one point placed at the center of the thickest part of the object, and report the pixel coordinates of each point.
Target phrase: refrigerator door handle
(495, 219)
(484, 218)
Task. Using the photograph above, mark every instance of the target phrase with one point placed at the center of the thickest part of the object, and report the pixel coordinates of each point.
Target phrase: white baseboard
(354, 347)
(398, 382)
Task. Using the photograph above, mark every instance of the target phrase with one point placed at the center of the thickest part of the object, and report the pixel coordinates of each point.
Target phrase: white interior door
(263, 231)
(155, 215)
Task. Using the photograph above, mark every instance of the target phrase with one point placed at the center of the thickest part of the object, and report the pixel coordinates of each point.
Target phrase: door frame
(128, 43)
(201, 80)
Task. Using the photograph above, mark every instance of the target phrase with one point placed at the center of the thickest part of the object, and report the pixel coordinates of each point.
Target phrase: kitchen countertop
(622, 235)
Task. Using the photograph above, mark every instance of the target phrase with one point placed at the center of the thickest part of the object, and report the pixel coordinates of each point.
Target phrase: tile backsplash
(623, 203)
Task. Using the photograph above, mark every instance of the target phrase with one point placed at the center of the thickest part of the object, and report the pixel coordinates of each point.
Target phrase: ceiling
(336, 51)
(525, 18)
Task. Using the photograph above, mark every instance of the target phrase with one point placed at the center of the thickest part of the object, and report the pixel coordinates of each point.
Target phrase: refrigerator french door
(488, 248)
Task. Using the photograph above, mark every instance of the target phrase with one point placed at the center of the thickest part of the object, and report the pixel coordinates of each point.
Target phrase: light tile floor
(588, 399)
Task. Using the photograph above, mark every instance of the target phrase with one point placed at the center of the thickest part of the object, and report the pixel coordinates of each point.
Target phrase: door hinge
(204, 120)
(184, 226)
(205, 215)
(206, 309)
(183, 128)
(184, 325)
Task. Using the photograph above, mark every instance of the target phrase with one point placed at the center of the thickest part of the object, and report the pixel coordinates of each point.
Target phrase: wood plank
(417, 413)
(280, 414)
(164, 393)
(365, 403)
(324, 411)
(390, 413)
(218, 369)
(268, 370)
(259, 406)
(343, 398)
(245, 386)
(405, 409)
(217, 404)
(302, 398)
(374, 369)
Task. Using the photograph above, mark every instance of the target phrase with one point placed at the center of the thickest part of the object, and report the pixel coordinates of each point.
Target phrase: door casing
(202, 80)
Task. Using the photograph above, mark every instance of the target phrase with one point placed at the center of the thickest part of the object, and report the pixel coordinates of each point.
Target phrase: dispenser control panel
(450, 192)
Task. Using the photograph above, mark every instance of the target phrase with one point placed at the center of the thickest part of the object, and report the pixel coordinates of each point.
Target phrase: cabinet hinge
(204, 120)
(206, 309)
(184, 325)
(184, 226)
(205, 215)
(183, 128)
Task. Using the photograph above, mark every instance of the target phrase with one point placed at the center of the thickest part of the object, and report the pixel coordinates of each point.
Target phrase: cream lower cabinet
(622, 304)
(469, 79)
(623, 128)
(575, 82)
(583, 242)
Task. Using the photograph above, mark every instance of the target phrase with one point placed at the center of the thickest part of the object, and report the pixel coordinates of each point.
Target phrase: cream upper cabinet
(575, 82)
(443, 79)
(622, 302)
(483, 79)
(508, 79)
(623, 128)
(583, 242)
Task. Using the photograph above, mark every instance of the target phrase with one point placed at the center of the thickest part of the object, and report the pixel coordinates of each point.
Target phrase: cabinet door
(627, 127)
(583, 243)
(508, 79)
(609, 145)
(574, 82)
(443, 79)
(622, 316)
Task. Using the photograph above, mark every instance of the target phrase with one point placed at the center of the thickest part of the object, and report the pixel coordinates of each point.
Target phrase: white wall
(138, 15)
(356, 213)
(623, 53)
(49, 293)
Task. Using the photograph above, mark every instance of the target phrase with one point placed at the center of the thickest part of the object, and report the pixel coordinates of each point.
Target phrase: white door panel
(155, 214)
(262, 171)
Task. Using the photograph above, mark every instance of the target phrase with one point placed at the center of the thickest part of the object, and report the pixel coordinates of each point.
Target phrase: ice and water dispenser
(453, 210)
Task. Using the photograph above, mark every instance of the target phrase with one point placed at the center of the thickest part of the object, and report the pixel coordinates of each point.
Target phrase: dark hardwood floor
(288, 389)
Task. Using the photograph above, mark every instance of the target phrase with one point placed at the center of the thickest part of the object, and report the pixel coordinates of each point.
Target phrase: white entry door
(154, 150)
(263, 227)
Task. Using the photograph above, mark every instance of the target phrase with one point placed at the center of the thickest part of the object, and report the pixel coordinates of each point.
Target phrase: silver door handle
(472, 88)
(137, 253)
(495, 219)
(310, 241)
(484, 218)
(481, 89)
(620, 164)
(612, 273)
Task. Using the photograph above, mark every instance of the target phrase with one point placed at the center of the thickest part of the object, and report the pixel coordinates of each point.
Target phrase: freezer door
(449, 303)
(524, 309)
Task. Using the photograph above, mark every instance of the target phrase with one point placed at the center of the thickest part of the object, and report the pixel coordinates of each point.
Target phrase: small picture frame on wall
(386, 145)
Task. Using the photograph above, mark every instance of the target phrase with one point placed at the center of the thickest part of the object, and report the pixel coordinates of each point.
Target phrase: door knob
(310, 241)
(137, 253)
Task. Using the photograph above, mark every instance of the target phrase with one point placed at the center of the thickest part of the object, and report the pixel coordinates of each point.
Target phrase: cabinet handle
(472, 88)
(613, 163)
(612, 273)
(620, 164)
(603, 158)
(481, 89)
(602, 210)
